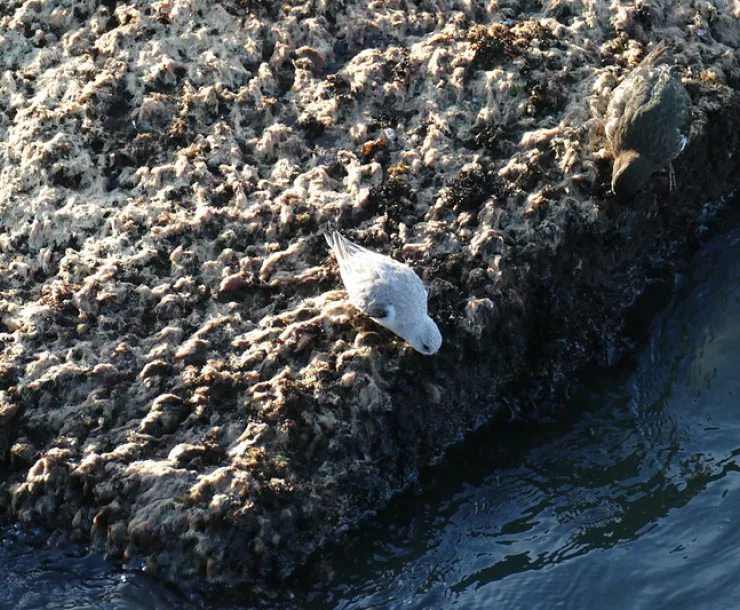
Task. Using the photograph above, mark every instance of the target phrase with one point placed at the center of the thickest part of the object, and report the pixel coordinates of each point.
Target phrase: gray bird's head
(425, 338)
(630, 173)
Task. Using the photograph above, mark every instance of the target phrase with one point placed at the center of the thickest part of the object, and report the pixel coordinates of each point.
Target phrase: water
(36, 577)
(636, 504)
(631, 501)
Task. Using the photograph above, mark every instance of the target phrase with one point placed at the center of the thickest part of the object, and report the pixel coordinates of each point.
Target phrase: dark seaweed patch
(471, 187)
(492, 46)
(312, 127)
(497, 141)
(66, 179)
(546, 97)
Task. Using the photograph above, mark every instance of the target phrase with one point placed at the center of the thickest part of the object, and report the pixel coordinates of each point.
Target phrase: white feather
(388, 291)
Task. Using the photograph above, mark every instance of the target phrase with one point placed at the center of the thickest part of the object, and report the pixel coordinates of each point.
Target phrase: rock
(186, 384)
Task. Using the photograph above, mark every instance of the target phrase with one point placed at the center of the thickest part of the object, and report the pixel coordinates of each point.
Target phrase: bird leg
(671, 178)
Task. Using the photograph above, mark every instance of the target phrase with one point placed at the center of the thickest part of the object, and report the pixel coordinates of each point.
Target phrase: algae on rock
(181, 378)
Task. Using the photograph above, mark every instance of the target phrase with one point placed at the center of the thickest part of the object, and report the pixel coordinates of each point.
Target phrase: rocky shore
(182, 381)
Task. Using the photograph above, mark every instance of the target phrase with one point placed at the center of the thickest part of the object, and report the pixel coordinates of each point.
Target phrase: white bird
(387, 291)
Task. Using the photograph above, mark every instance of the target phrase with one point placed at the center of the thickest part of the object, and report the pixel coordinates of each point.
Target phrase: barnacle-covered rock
(181, 376)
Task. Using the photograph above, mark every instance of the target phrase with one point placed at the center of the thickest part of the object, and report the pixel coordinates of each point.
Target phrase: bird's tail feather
(329, 237)
(655, 54)
(342, 247)
(337, 243)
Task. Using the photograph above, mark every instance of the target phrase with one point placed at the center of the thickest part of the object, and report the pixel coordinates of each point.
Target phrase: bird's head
(425, 337)
(630, 173)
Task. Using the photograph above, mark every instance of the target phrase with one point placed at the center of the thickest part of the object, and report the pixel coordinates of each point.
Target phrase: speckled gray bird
(647, 123)
(387, 291)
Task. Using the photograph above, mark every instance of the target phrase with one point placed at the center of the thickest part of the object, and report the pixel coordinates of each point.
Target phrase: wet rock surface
(182, 381)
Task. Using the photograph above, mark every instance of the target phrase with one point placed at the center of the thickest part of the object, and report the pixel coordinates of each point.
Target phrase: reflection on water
(633, 503)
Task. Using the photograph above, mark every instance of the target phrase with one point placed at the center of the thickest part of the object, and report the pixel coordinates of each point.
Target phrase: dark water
(632, 502)
(35, 577)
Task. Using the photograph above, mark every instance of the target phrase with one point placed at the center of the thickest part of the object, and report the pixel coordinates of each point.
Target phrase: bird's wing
(373, 282)
(683, 106)
(365, 274)
(660, 121)
(632, 93)
(378, 285)
(626, 98)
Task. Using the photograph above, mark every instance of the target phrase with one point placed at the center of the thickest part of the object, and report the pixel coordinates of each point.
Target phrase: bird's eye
(425, 347)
